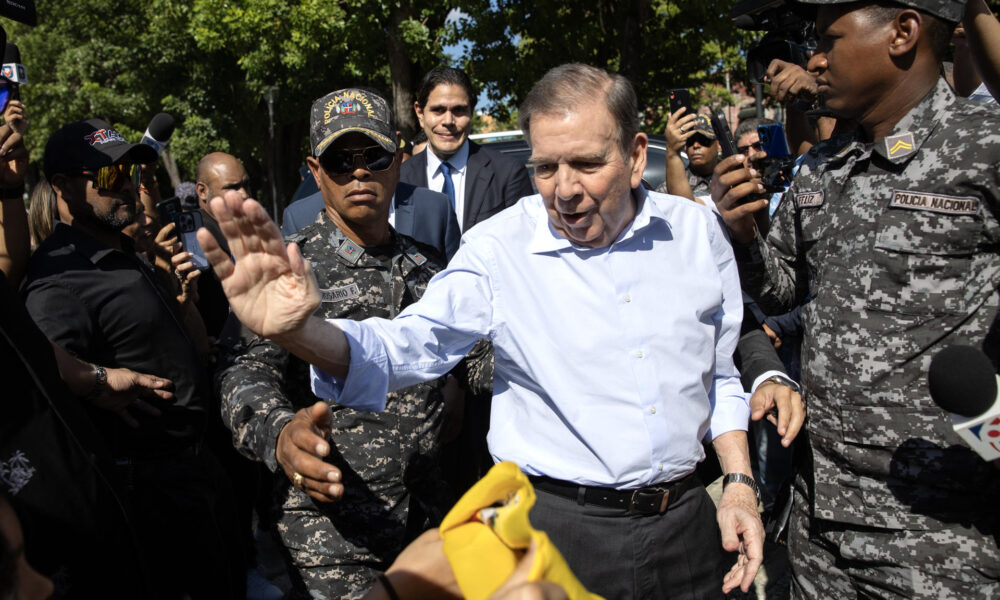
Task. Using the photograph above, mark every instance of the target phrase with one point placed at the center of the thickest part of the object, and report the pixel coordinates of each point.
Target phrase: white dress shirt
(611, 364)
(459, 167)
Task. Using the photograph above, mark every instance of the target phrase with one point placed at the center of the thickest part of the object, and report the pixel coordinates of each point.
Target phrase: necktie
(449, 186)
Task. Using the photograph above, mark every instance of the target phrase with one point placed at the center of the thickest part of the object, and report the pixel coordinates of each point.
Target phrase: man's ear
(419, 112)
(907, 28)
(313, 163)
(638, 159)
(202, 191)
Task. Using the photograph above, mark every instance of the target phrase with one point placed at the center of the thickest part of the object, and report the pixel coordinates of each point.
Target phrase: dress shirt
(612, 364)
(459, 168)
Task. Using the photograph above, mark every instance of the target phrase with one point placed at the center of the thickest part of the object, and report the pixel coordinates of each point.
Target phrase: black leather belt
(644, 501)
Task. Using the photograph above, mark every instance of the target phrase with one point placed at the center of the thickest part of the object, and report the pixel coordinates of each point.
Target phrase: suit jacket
(423, 215)
(493, 182)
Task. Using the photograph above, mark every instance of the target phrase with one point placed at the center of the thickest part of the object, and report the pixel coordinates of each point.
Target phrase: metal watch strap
(742, 478)
(785, 381)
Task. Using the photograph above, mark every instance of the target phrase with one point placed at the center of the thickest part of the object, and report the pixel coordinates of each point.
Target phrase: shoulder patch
(340, 294)
(809, 199)
(901, 145)
(949, 205)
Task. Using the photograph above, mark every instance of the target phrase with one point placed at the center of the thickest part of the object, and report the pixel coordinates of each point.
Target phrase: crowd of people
(185, 378)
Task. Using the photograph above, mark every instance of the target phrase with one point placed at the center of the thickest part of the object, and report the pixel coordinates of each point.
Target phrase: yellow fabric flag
(487, 533)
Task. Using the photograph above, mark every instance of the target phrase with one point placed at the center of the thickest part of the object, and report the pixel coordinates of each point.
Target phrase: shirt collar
(86, 245)
(458, 161)
(547, 239)
(905, 139)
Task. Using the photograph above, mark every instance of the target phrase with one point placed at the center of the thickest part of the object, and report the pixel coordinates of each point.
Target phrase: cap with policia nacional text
(350, 110)
(91, 144)
(947, 10)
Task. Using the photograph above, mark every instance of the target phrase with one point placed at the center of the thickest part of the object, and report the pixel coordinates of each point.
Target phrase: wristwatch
(100, 382)
(782, 380)
(742, 478)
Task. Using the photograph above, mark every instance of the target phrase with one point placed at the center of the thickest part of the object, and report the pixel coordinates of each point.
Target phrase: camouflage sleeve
(769, 270)
(475, 372)
(254, 404)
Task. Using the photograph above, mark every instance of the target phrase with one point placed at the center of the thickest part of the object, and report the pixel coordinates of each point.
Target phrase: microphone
(13, 70)
(963, 381)
(159, 131)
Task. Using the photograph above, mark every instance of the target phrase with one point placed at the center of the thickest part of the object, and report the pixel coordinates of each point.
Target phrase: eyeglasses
(746, 149)
(112, 177)
(339, 162)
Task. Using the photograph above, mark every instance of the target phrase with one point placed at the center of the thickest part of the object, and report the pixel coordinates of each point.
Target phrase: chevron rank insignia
(899, 146)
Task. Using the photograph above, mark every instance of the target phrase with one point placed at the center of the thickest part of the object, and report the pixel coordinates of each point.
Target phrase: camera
(791, 33)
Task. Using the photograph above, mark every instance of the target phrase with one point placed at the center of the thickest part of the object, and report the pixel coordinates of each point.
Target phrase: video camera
(791, 33)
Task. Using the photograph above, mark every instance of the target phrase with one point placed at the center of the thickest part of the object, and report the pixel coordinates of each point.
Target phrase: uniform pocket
(922, 262)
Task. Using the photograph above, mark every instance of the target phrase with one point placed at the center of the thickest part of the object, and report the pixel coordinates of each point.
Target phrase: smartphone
(722, 133)
(678, 98)
(167, 209)
(773, 141)
(188, 224)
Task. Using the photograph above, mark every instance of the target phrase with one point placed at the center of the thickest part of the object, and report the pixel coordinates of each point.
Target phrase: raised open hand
(270, 287)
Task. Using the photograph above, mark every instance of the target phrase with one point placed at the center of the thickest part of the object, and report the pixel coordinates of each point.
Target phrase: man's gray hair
(750, 126)
(569, 86)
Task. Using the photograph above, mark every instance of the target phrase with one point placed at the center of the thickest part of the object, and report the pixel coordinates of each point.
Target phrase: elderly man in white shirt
(614, 313)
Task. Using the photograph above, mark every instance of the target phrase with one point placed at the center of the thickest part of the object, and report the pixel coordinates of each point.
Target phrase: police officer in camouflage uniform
(351, 476)
(892, 230)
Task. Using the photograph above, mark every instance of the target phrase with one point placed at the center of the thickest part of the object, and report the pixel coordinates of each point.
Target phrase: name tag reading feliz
(950, 205)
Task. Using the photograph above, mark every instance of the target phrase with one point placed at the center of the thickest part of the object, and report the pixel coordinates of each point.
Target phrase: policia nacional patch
(949, 205)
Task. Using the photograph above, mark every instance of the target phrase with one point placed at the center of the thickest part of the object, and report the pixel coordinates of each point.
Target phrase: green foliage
(209, 63)
(657, 44)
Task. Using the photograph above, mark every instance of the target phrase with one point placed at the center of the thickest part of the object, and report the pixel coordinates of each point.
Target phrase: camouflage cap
(702, 126)
(349, 110)
(947, 10)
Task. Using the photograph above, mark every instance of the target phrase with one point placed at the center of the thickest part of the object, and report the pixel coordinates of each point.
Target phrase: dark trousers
(674, 555)
(182, 515)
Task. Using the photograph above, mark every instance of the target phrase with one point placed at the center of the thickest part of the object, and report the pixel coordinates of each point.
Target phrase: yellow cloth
(487, 533)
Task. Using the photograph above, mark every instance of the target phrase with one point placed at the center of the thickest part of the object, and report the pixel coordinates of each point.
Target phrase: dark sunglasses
(701, 139)
(112, 177)
(339, 162)
(745, 149)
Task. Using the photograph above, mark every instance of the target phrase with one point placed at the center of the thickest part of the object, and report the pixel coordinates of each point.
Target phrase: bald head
(218, 173)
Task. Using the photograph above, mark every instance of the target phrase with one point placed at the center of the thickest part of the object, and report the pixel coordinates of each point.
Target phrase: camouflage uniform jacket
(897, 244)
(383, 456)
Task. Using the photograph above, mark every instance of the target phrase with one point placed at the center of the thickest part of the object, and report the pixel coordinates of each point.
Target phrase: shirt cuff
(765, 376)
(367, 380)
(276, 421)
(732, 408)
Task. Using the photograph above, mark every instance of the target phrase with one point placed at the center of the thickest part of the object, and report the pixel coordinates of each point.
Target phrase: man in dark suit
(423, 215)
(478, 181)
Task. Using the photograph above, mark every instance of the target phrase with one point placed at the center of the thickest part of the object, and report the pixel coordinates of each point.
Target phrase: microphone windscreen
(962, 381)
(11, 54)
(161, 127)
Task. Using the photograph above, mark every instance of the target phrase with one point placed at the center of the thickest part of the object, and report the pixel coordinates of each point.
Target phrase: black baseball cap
(946, 10)
(90, 145)
(348, 110)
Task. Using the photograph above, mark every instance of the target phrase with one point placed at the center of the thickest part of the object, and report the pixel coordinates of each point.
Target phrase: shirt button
(652, 410)
(638, 354)
(628, 298)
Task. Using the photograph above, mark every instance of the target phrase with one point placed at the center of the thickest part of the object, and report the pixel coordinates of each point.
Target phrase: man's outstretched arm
(270, 287)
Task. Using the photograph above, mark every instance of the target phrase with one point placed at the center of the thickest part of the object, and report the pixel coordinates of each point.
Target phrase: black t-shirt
(104, 306)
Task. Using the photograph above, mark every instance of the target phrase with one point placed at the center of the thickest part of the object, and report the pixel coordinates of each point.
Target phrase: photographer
(891, 230)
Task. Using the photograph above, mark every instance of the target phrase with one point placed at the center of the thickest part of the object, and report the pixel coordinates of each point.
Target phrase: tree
(210, 63)
(656, 44)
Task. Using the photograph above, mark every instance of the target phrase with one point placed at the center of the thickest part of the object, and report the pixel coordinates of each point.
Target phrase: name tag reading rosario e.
(950, 205)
